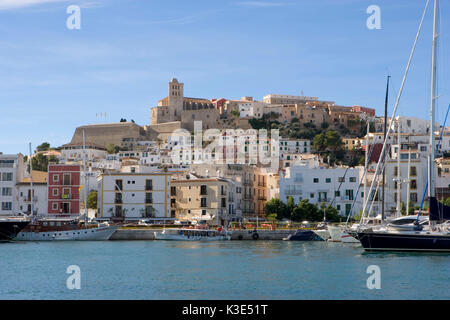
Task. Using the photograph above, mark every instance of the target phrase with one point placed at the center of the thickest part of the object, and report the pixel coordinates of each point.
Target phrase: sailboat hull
(92, 234)
(405, 241)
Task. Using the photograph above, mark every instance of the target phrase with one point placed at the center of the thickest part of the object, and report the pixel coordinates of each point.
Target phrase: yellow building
(198, 198)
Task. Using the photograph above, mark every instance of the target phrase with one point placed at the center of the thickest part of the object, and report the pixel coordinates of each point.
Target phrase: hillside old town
(318, 153)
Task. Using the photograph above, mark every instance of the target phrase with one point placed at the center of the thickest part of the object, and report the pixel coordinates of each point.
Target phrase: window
(6, 163)
(341, 179)
(316, 180)
(337, 193)
(413, 171)
(349, 194)
(148, 197)
(311, 195)
(413, 197)
(118, 211)
(224, 202)
(54, 206)
(203, 202)
(149, 211)
(395, 171)
(173, 191)
(119, 185)
(7, 192)
(55, 192)
(203, 191)
(7, 176)
(118, 198)
(338, 207)
(148, 185)
(7, 206)
(55, 178)
(66, 179)
(413, 184)
(352, 179)
(222, 190)
(328, 180)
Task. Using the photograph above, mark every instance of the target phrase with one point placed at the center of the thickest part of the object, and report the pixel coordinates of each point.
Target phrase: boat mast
(431, 184)
(31, 182)
(399, 179)
(85, 182)
(408, 182)
(384, 154)
(366, 162)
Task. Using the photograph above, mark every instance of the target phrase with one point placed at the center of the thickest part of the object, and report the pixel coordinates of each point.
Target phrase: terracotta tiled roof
(38, 177)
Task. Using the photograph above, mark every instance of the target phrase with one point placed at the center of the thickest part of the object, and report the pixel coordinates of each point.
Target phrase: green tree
(306, 211)
(319, 142)
(40, 162)
(113, 149)
(272, 217)
(92, 199)
(276, 206)
(45, 146)
(333, 140)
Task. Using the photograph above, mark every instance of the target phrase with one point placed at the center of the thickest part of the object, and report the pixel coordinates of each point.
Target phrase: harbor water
(217, 270)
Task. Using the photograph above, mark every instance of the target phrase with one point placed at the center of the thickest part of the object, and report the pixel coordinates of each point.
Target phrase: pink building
(64, 189)
(368, 111)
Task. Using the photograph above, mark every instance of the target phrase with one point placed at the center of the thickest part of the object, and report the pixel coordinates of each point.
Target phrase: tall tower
(176, 97)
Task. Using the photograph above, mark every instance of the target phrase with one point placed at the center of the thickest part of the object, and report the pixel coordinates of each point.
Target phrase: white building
(332, 186)
(75, 152)
(134, 196)
(40, 198)
(11, 172)
(111, 162)
(251, 109)
(295, 146)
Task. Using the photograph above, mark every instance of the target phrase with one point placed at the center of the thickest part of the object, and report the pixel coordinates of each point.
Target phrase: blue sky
(53, 79)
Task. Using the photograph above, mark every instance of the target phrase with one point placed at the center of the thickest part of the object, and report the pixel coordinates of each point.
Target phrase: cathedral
(176, 107)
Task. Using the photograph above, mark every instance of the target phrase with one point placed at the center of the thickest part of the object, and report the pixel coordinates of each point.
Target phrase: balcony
(261, 184)
(66, 196)
(248, 183)
(247, 197)
(347, 198)
(262, 198)
(28, 199)
(293, 192)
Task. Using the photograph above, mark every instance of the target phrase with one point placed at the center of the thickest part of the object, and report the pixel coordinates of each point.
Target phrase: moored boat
(304, 235)
(192, 235)
(10, 227)
(434, 236)
(65, 229)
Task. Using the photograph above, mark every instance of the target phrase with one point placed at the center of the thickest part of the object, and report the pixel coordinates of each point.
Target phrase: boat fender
(255, 236)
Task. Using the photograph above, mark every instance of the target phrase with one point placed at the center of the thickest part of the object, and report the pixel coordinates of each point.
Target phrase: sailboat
(68, 229)
(434, 236)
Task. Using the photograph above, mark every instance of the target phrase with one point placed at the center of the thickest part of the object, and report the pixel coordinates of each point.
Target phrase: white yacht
(192, 235)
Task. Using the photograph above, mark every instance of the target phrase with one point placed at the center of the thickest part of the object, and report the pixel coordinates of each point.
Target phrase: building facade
(64, 185)
(331, 186)
(131, 196)
(11, 172)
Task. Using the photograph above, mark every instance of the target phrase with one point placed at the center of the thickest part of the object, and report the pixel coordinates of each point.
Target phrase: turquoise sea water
(217, 270)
